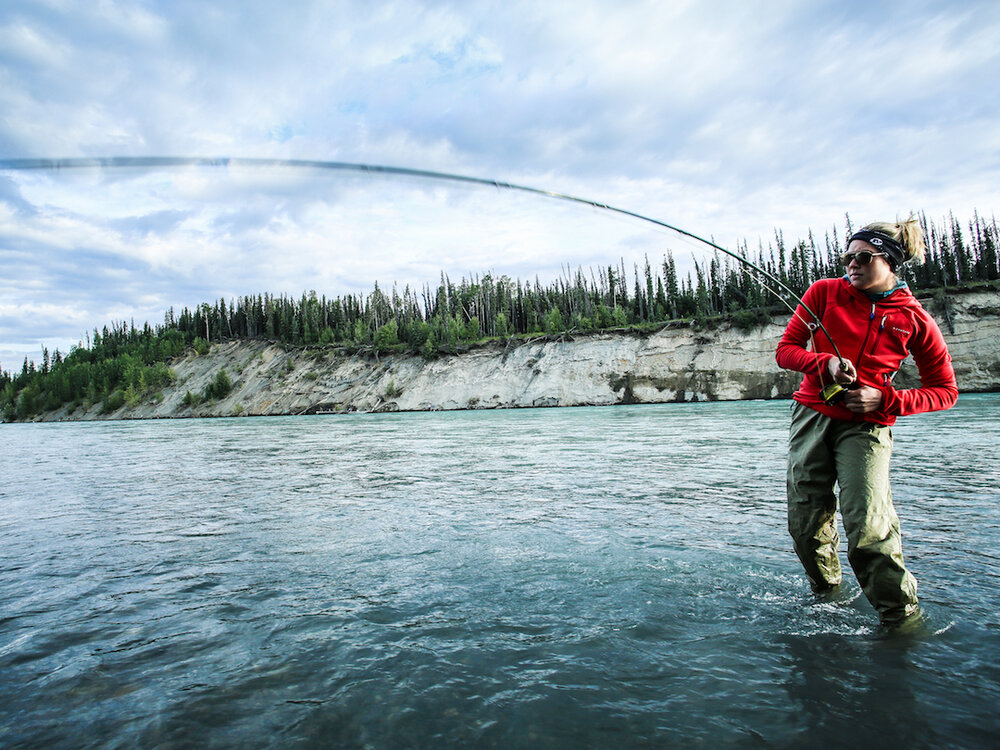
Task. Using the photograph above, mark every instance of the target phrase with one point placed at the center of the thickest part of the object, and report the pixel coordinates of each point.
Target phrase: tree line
(124, 364)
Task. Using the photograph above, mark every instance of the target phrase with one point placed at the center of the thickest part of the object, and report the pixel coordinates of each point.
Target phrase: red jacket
(876, 337)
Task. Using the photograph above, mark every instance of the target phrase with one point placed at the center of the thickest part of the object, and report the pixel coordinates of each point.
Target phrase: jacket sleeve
(938, 389)
(792, 352)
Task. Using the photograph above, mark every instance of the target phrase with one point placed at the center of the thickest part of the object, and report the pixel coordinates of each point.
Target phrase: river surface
(548, 578)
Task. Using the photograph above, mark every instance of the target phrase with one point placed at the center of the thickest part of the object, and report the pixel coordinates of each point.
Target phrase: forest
(123, 363)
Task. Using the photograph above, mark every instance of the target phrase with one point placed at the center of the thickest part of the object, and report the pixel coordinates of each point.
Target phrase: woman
(843, 411)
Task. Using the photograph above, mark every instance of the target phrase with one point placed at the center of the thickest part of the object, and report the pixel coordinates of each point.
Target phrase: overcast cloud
(729, 119)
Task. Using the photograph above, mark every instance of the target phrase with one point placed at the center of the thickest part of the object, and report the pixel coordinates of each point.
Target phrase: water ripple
(536, 578)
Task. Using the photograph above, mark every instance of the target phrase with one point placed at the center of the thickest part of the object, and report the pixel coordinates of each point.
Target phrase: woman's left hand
(863, 400)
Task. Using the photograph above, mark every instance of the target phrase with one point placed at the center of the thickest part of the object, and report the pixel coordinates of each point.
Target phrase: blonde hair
(907, 233)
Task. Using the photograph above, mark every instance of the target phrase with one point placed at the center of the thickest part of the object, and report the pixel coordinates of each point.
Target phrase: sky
(730, 119)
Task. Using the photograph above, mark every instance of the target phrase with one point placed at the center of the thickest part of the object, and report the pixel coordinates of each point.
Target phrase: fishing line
(163, 162)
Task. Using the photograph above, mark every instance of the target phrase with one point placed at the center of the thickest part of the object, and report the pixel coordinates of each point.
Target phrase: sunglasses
(863, 257)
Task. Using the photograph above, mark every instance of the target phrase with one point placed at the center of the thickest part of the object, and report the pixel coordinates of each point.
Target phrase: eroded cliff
(672, 364)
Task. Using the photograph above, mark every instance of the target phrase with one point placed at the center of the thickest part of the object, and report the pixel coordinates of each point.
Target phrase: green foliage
(387, 336)
(114, 401)
(392, 390)
(200, 346)
(554, 321)
(220, 386)
(501, 325)
(125, 359)
(361, 333)
(747, 319)
(429, 349)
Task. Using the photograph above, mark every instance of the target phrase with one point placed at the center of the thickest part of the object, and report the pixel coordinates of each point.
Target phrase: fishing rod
(157, 162)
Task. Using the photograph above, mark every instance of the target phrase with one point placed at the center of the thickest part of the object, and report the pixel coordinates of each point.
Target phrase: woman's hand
(863, 400)
(845, 375)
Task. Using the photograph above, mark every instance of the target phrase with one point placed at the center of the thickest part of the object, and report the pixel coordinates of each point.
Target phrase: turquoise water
(594, 577)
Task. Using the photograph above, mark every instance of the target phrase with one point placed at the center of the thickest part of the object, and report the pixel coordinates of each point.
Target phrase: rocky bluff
(669, 365)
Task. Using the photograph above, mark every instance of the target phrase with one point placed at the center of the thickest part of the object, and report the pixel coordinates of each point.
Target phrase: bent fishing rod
(163, 162)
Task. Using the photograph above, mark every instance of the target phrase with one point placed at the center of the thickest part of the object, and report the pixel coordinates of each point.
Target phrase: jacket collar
(899, 296)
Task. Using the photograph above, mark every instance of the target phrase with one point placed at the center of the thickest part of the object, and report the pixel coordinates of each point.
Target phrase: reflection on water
(537, 578)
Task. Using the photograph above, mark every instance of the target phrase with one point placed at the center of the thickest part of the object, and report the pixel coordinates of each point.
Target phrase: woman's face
(874, 276)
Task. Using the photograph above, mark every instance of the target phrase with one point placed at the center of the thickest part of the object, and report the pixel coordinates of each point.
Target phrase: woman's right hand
(843, 373)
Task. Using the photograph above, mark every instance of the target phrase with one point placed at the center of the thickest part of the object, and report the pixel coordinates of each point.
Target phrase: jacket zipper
(864, 344)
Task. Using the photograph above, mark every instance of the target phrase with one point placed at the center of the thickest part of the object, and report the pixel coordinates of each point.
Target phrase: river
(584, 577)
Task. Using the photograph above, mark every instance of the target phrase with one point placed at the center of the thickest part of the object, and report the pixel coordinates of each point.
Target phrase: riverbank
(672, 364)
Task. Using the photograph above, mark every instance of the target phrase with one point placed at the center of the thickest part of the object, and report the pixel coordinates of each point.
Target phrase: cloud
(715, 116)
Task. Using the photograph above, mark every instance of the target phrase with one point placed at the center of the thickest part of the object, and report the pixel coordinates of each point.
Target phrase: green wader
(854, 455)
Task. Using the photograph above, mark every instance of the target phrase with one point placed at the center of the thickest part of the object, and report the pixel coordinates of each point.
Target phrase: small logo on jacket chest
(900, 330)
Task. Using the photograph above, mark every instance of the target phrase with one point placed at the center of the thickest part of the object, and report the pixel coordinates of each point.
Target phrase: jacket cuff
(825, 358)
(890, 400)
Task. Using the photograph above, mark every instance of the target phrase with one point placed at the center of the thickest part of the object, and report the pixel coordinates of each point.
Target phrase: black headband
(881, 241)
